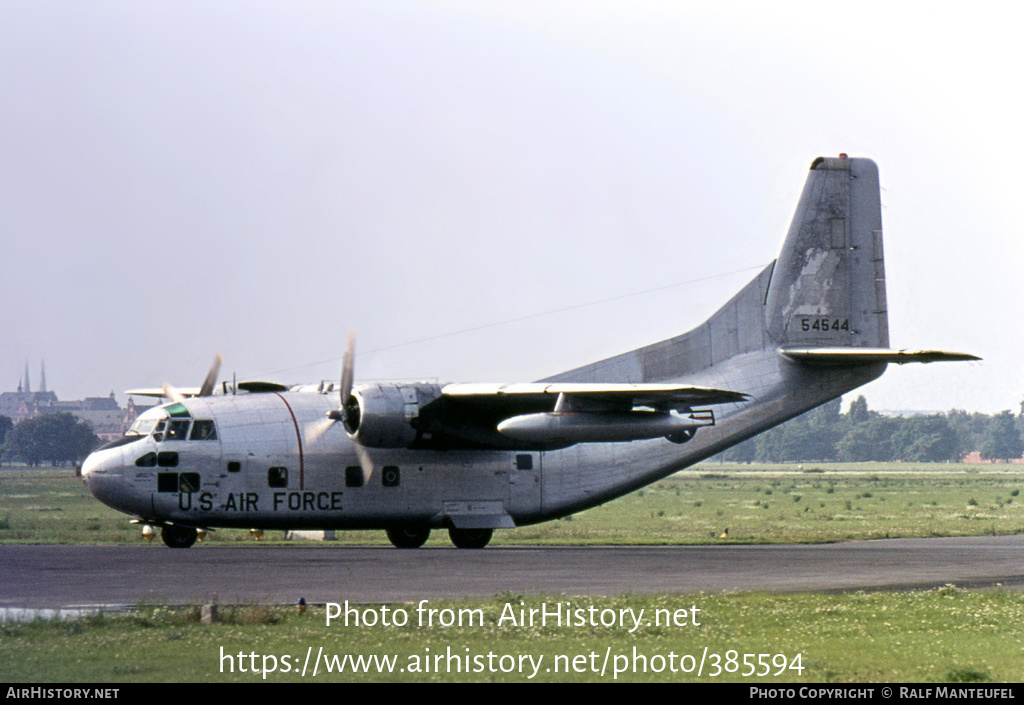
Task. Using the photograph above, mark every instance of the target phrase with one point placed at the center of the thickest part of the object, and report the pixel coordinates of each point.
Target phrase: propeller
(345, 410)
(211, 377)
(347, 370)
(365, 461)
(169, 391)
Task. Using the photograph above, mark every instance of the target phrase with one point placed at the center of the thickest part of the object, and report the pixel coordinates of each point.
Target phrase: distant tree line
(55, 439)
(825, 434)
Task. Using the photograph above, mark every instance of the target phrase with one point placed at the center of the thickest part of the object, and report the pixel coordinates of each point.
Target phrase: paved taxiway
(61, 576)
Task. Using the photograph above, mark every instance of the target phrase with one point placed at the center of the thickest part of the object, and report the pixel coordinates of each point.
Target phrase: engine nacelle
(387, 415)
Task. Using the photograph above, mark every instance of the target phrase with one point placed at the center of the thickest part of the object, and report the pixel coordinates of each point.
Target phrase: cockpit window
(177, 430)
(142, 427)
(177, 410)
(203, 430)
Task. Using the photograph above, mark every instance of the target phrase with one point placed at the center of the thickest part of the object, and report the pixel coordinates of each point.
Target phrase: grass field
(943, 635)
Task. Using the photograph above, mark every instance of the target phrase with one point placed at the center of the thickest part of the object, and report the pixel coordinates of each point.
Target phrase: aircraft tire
(470, 538)
(408, 536)
(178, 536)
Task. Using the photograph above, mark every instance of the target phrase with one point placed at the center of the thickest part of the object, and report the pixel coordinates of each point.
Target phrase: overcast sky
(182, 178)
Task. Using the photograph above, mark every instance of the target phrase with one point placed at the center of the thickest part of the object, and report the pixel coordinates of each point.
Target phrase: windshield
(142, 427)
(172, 423)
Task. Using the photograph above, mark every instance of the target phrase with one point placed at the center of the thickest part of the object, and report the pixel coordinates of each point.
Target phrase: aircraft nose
(90, 466)
(99, 464)
(103, 473)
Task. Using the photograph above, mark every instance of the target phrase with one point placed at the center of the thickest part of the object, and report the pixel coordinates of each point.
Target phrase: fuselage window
(175, 482)
(390, 476)
(234, 466)
(277, 477)
(203, 430)
(353, 476)
(524, 462)
(167, 482)
(167, 460)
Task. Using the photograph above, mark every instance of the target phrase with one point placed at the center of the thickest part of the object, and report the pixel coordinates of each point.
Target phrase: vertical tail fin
(828, 284)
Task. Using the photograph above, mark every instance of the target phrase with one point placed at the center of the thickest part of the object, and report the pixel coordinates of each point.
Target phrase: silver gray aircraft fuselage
(408, 458)
(265, 468)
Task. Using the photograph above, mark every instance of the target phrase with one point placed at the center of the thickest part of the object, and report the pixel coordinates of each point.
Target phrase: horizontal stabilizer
(866, 356)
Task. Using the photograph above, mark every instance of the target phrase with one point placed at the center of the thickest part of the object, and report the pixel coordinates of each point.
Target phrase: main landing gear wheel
(470, 538)
(178, 536)
(408, 536)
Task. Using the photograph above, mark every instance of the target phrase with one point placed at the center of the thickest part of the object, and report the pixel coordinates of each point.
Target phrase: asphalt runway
(67, 576)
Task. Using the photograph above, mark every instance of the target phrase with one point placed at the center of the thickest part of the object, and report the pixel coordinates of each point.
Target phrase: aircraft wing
(158, 392)
(591, 395)
(549, 415)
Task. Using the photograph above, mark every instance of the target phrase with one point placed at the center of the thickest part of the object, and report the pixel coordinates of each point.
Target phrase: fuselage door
(524, 481)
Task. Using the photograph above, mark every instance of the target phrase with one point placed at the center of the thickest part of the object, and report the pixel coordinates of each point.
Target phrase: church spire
(42, 376)
(28, 385)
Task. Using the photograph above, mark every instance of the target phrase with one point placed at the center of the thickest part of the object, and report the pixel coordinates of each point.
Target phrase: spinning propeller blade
(211, 377)
(315, 432)
(169, 391)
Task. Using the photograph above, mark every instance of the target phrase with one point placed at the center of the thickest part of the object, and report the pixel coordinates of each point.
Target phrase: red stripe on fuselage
(298, 437)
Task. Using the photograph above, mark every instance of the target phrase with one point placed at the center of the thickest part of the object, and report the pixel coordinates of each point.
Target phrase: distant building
(108, 420)
(26, 405)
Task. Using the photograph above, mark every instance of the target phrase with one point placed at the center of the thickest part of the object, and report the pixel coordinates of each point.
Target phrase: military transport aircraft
(471, 458)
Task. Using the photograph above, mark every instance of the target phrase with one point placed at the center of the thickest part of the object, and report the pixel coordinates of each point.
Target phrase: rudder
(828, 284)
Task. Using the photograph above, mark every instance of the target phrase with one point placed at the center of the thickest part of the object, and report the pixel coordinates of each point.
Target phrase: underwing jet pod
(471, 458)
